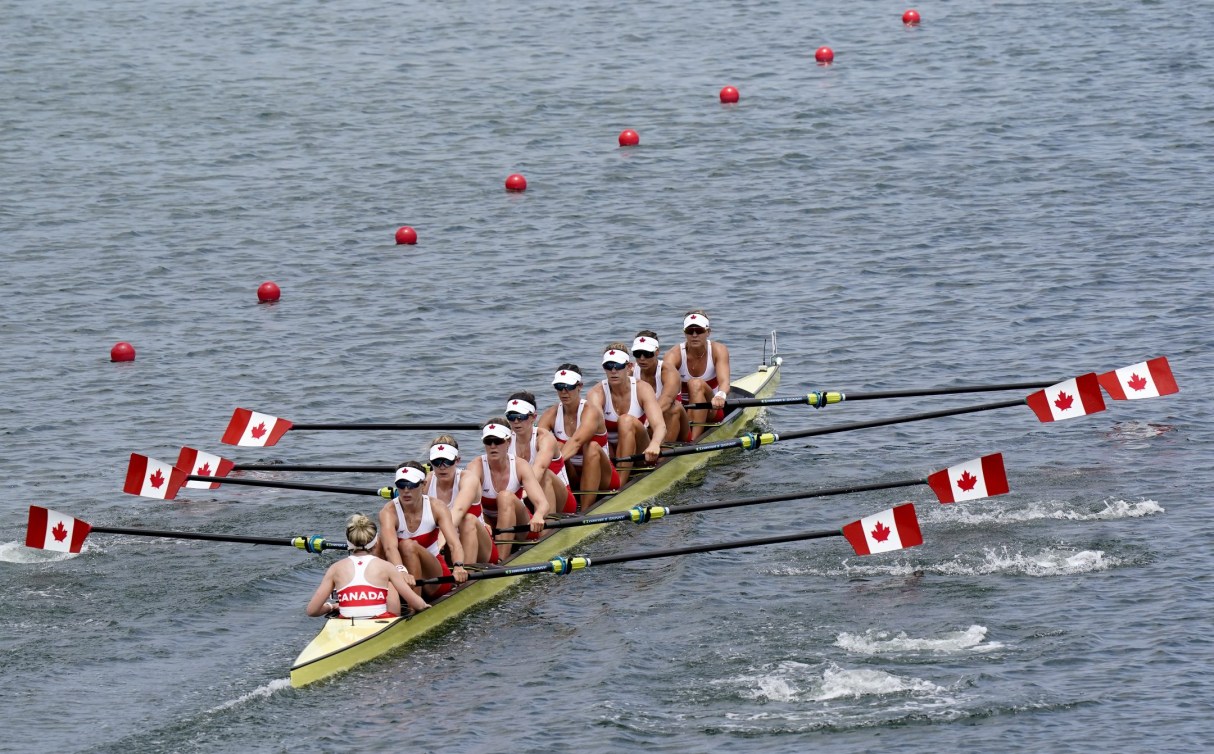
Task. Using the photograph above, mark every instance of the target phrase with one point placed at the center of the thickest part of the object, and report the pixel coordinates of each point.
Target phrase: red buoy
(405, 234)
(824, 55)
(122, 351)
(516, 182)
(729, 95)
(911, 17)
(629, 138)
(268, 292)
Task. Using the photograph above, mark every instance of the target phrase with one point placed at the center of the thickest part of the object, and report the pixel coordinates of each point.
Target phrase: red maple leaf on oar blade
(1136, 382)
(1064, 401)
(967, 481)
(204, 470)
(59, 532)
(258, 431)
(881, 532)
(156, 479)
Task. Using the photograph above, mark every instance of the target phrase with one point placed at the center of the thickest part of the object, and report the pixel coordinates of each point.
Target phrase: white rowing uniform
(657, 376)
(709, 375)
(489, 492)
(426, 533)
(556, 465)
(360, 598)
(432, 490)
(558, 429)
(612, 418)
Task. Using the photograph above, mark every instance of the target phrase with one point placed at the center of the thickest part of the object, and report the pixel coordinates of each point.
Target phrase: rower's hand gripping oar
(893, 529)
(821, 398)
(52, 530)
(973, 480)
(149, 477)
(258, 430)
(1066, 400)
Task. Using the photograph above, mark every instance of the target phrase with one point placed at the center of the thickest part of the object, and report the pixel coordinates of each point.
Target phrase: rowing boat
(344, 643)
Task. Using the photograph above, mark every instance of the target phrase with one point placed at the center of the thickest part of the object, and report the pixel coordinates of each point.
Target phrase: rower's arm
(319, 604)
(653, 413)
(672, 385)
(545, 451)
(387, 530)
(535, 490)
(469, 490)
(720, 358)
(592, 422)
(442, 517)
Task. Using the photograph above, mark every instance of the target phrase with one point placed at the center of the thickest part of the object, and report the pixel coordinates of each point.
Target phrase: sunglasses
(612, 366)
(695, 331)
(405, 484)
(493, 441)
(563, 388)
(644, 354)
(514, 416)
(439, 463)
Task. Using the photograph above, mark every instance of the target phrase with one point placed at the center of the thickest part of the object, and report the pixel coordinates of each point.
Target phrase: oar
(893, 529)
(52, 530)
(818, 399)
(255, 429)
(972, 480)
(291, 485)
(1071, 398)
(156, 479)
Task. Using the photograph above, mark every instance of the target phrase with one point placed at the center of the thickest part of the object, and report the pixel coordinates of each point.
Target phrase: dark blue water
(1008, 192)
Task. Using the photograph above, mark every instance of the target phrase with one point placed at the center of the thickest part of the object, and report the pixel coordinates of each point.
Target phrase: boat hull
(344, 643)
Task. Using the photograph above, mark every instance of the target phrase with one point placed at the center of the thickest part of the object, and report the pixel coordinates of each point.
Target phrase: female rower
(418, 521)
(540, 449)
(703, 367)
(497, 476)
(582, 433)
(629, 408)
(474, 534)
(665, 383)
(366, 586)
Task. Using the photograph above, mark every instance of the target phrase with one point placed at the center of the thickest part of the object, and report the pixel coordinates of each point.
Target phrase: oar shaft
(838, 396)
(283, 485)
(435, 426)
(335, 468)
(284, 541)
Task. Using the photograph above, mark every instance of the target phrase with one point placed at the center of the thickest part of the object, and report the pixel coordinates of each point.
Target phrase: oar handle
(287, 485)
(309, 543)
(369, 426)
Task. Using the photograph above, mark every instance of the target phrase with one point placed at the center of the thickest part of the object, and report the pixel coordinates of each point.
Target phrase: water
(1008, 192)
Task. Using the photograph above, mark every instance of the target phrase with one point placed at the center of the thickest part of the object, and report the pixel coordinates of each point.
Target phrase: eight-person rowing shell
(582, 432)
(366, 586)
(630, 410)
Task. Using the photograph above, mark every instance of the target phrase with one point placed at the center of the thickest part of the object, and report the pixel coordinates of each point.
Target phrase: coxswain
(539, 447)
(474, 534)
(665, 383)
(703, 368)
(418, 522)
(630, 410)
(363, 585)
(498, 476)
(582, 433)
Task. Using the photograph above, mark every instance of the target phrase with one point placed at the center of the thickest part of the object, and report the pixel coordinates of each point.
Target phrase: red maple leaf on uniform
(204, 470)
(880, 532)
(59, 532)
(1064, 401)
(258, 431)
(1136, 382)
(967, 481)
(156, 479)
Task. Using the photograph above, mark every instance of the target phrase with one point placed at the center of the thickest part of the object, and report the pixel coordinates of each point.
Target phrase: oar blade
(254, 429)
(1146, 379)
(1068, 399)
(972, 480)
(148, 477)
(52, 530)
(201, 463)
(893, 529)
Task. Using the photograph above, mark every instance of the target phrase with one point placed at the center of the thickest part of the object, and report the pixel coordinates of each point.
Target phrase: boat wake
(17, 552)
(873, 642)
(792, 681)
(261, 692)
(1047, 509)
(1052, 561)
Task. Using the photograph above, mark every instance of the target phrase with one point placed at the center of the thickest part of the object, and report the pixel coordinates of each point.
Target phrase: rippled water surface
(1008, 192)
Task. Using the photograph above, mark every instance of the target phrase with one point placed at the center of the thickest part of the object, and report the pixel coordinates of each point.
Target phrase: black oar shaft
(434, 426)
(335, 468)
(283, 485)
(839, 396)
(284, 541)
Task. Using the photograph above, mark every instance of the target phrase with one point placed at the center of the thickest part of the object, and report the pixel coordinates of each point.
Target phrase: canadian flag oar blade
(1146, 379)
(254, 429)
(1068, 399)
(52, 530)
(151, 478)
(893, 529)
(972, 480)
(201, 463)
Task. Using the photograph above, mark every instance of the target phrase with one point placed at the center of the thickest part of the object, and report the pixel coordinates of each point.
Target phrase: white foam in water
(1047, 562)
(838, 682)
(1050, 509)
(874, 641)
(17, 552)
(260, 692)
(773, 683)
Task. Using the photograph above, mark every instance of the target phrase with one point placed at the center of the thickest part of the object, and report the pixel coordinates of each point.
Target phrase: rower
(582, 433)
(366, 586)
(630, 409)
(497, 476)
(541, 450)
(665, 383)
(474, 534)
(703, 367)
(418, 521)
